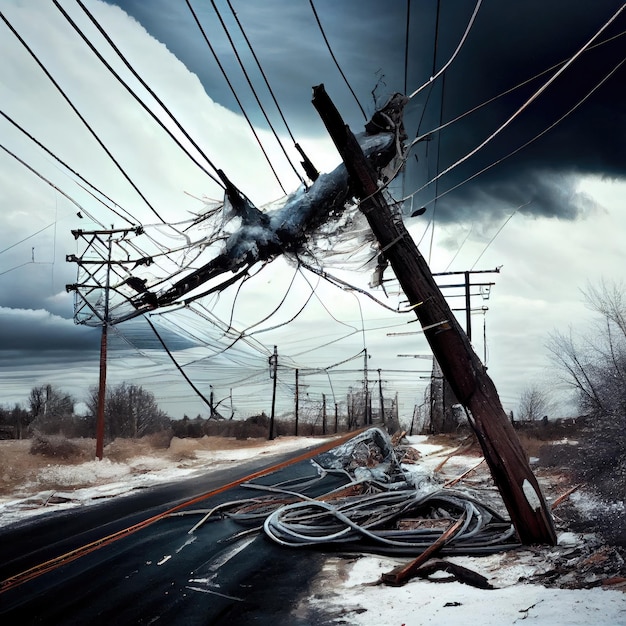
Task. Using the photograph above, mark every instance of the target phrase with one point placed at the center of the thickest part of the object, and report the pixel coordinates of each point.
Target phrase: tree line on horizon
(130, 411)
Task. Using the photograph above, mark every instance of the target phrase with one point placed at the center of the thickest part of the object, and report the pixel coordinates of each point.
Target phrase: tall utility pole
(366, 393)
(382, 400)
(466, 284)
(102, 380)
(273, 370)
(473, 387)
(297, 408)
(92, 300)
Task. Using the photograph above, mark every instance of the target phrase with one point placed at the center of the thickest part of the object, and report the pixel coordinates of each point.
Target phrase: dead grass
(22, 461)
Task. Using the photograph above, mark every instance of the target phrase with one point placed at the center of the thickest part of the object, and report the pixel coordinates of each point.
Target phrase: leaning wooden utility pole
(460, 364)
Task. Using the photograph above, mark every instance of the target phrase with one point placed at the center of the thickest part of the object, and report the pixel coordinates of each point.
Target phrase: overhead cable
(145, 85)
(49, 182)
(269, 87)
(230, 85)
(65, 165)
(178, 367)
(529, 101)
(332, 54)
(247, 77)
(454, 54)
(527, 143)
(80, 116)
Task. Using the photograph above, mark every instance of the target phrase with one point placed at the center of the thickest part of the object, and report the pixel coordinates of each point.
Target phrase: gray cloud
(509, 43)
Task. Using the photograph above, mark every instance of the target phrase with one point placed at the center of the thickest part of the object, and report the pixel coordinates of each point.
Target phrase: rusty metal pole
(102, 381)
(297, 408)
(468, 377)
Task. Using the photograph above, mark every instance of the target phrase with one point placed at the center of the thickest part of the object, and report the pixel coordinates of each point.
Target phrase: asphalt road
(158, 573)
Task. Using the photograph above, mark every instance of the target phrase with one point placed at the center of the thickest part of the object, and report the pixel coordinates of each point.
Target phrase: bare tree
(130, 411)
(51, 409)
(534, 404)
(594, 365)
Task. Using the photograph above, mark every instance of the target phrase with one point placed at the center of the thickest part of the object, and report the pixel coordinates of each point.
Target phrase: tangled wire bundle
(373, 523)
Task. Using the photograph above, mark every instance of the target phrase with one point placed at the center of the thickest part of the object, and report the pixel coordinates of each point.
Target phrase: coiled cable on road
(367, 523)
(379, 508)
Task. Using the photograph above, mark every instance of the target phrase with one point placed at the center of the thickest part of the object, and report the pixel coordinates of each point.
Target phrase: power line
(527, 143)
(245, 73)
(80, 116)
(267, 83)
(145, 85)
(230, 85)
(74, 202)
(330, 50)
(529, 101)
(454, 55)
(65, 165)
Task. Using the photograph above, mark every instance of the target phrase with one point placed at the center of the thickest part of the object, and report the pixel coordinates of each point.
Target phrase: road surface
(125, 562)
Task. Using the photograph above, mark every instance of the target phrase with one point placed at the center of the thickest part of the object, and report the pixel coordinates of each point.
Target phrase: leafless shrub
(159, 440)
(56, 446)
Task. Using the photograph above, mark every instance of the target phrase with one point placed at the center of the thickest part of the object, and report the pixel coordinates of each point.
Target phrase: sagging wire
(251, 342)
(80, 116)
(277, 308)
(143, 83)
(454, 54)
(176, 364)
(233, 91)
(345, 286)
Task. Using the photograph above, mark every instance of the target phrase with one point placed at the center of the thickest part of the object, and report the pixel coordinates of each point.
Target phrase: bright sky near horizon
(550, 215)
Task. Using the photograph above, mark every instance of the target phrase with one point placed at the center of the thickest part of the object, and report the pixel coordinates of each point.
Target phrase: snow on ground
(107, 478)
(345, 586)
(454, 604)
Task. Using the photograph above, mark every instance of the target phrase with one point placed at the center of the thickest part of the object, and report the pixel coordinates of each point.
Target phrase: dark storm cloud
(510, 42)
(39, 331)
(367, 39)
(24, 328)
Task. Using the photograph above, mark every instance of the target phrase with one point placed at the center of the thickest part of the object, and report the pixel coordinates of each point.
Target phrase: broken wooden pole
(461, 366)
(401, 574)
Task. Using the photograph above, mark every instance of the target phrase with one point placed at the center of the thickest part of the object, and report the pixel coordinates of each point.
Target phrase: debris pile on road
(381, 507)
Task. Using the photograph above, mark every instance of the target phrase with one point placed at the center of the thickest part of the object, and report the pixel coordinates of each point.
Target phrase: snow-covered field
(345, 586)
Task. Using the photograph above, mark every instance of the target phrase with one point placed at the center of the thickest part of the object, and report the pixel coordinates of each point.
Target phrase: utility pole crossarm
(451, 347)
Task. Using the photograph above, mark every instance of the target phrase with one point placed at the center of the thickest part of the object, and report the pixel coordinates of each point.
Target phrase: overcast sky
(541, 194)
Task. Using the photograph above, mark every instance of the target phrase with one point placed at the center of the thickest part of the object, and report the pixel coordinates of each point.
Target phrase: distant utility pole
(273, 360)
(92, 300)
(367, 418)
(473, 387)
(466, 284)
(382, 400)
